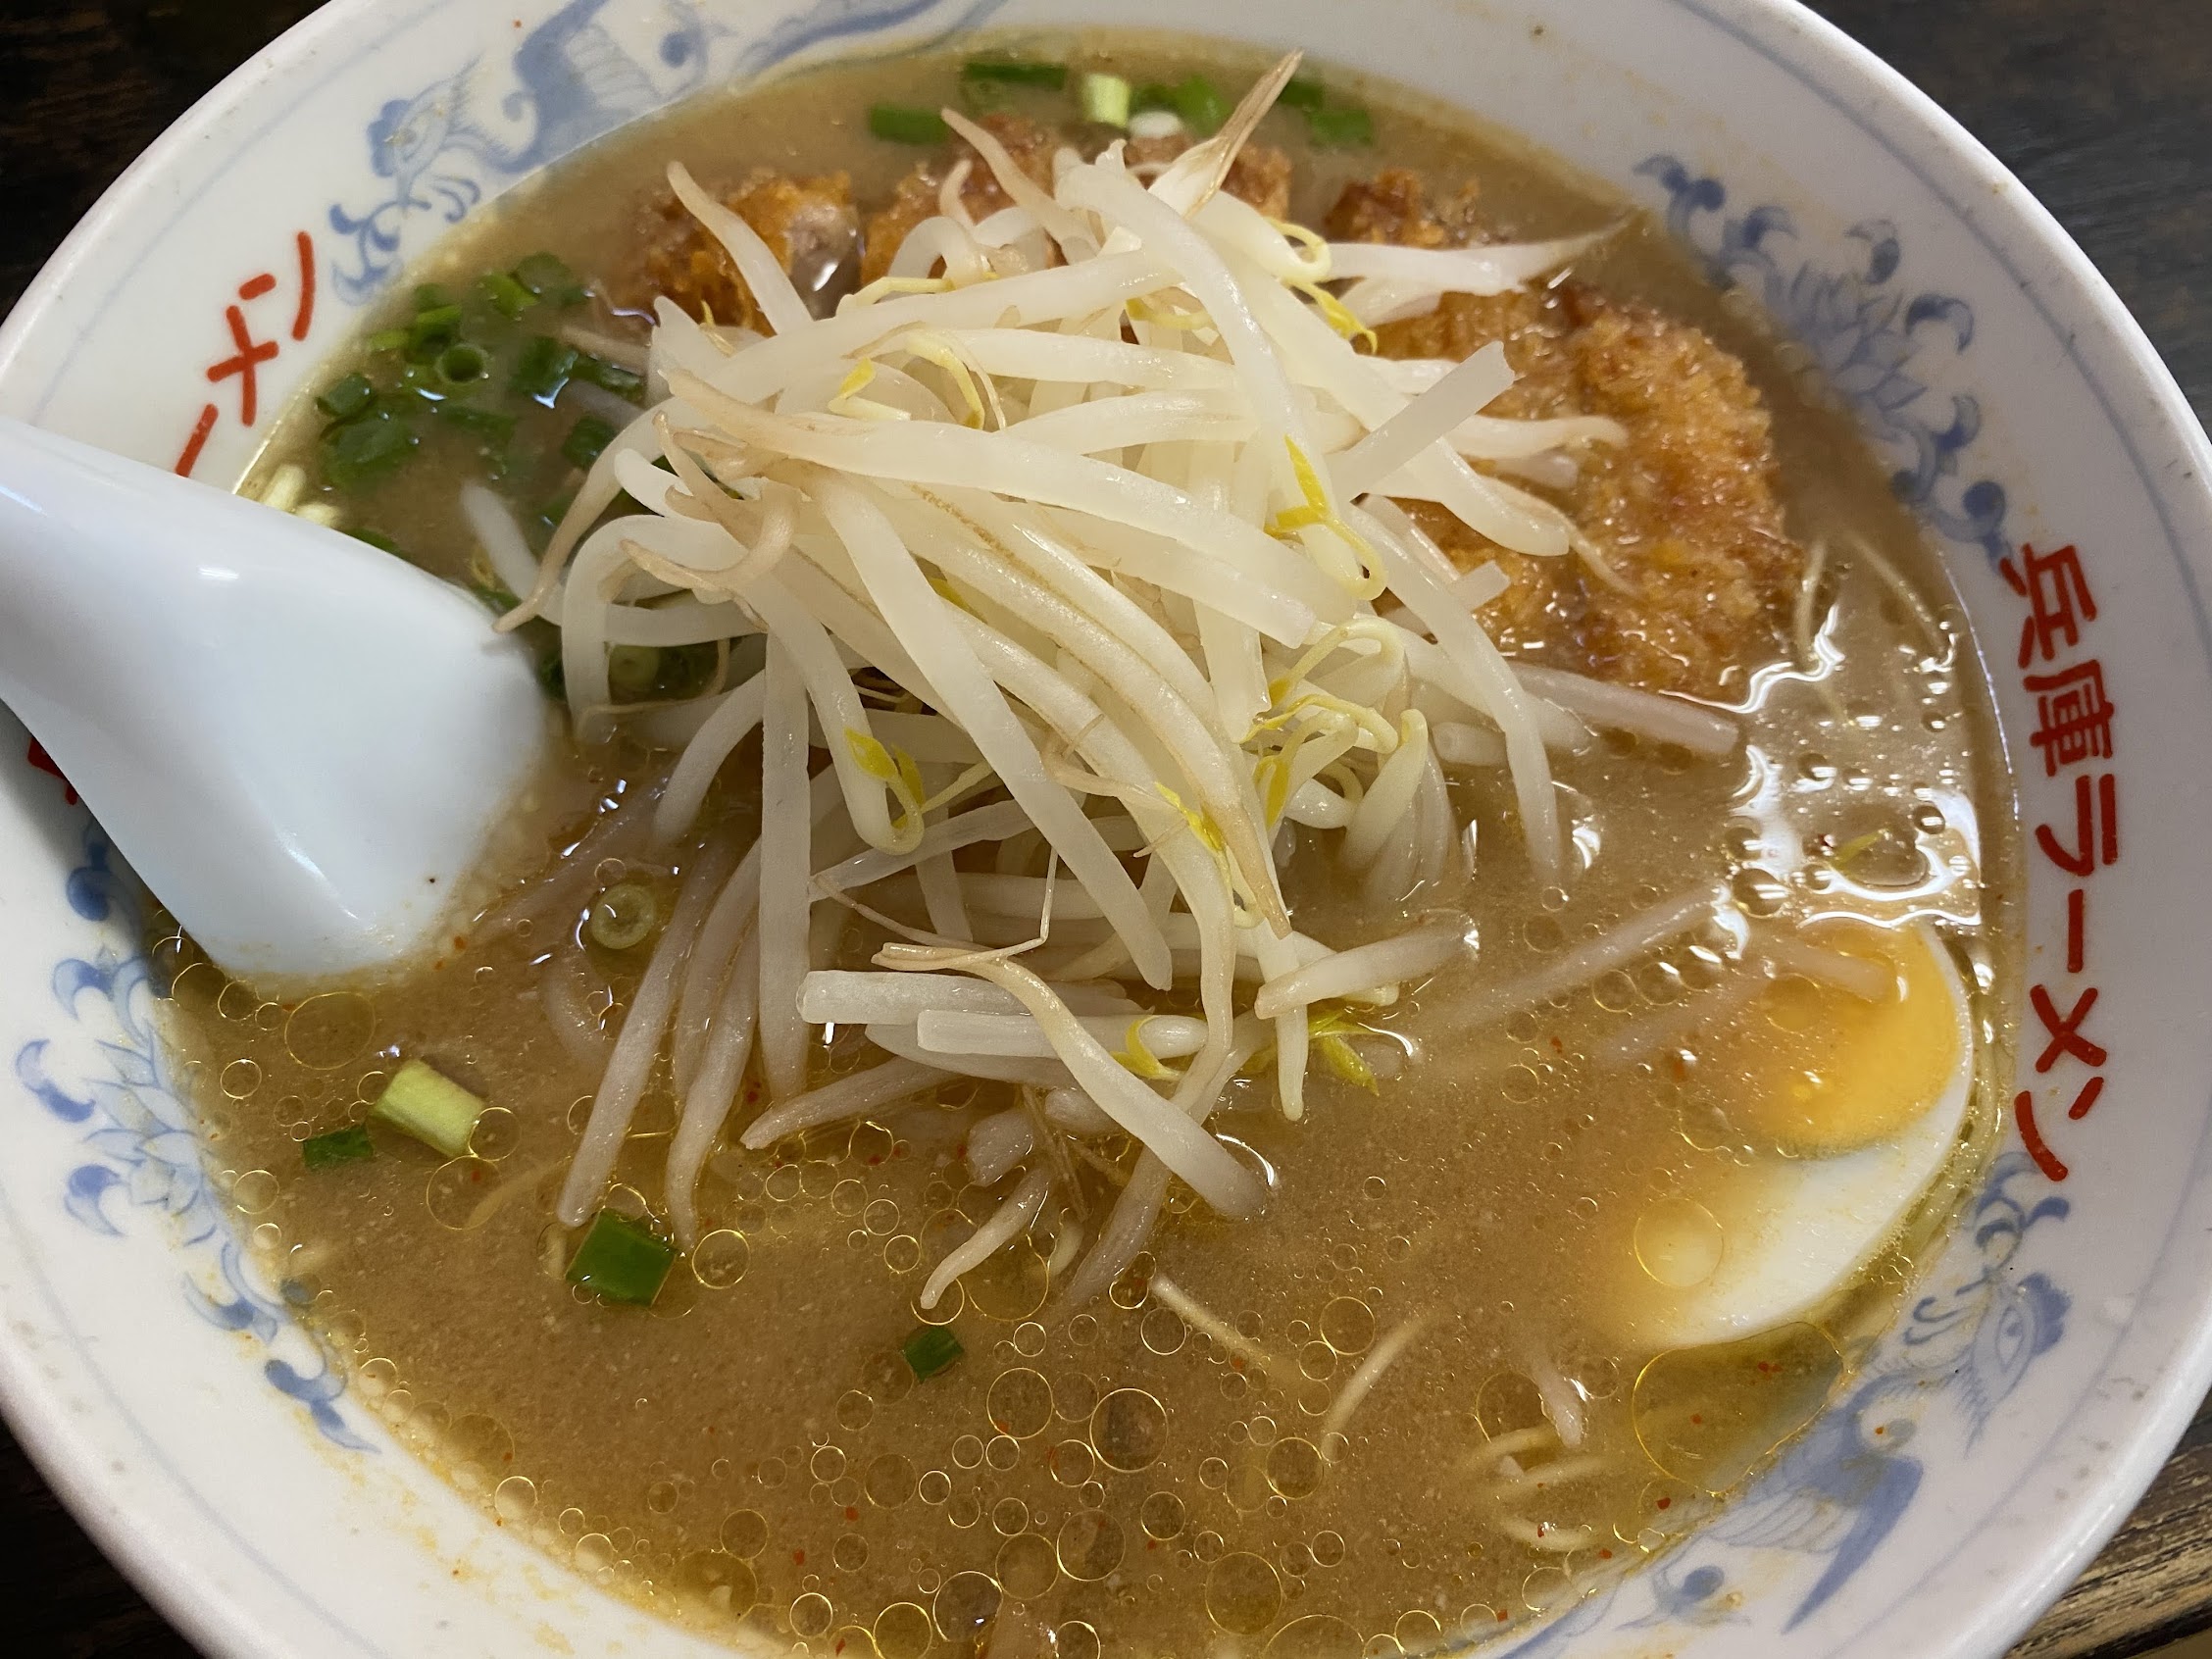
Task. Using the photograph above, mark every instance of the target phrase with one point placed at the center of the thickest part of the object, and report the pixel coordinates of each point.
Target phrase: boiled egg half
(1850, 1072)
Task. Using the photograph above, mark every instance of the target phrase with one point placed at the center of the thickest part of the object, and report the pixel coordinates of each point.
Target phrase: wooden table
(2103, 107)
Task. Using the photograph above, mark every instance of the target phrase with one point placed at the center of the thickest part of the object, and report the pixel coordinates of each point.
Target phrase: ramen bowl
(2048, 1355)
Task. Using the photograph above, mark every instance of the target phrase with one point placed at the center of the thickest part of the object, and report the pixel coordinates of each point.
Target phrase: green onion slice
(1340, 127)
(544, 367)
(507, 296)
(930, 1349)
(548, 276)
(903, 124)
(1201, 104)
(1106, 99)
(433, 330)
(348, 1145)
(429, 1106)
(1014, 72)
(613, 377)
(347, 397)
(633, 669)
(622, 1260)
(586, 438)
(625, 915)
(360, 452)
(462, 364)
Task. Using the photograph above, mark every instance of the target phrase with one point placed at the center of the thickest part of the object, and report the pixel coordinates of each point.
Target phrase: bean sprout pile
(1076, 541)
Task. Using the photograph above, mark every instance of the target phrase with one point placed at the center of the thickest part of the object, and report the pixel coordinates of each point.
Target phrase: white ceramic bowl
(2001, 1432)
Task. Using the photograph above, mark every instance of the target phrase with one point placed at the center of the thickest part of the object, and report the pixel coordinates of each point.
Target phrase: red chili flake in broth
(1665, 1502)
(798, 1558)
(852, 1514)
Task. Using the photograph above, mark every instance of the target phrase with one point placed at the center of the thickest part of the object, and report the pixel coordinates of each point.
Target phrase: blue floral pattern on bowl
(574, 81)
(144, 1152)
(1867, 338)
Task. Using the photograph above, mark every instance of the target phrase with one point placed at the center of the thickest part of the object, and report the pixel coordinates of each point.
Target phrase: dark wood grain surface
(2103, 107)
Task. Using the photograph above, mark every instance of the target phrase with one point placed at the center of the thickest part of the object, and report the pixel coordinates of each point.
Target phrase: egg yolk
(1817, 1068)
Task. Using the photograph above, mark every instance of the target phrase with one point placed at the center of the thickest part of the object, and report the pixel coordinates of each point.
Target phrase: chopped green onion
(1340, 127)
(429, 1106)
(462, 364)
(902, 124)
(1106, 99)
(498, 598)
(345, 398)
(376, 539)
(544, 367)
(428, 296)
(1152, 95)
(929, 1350)
(624, 917)
(433, 330)
(1302, 94)
(348, 1145)
(388, 339)
(1014, 72)
(489, 425)
(553, 674)
(586, 438)
(507, 296)
(613, 377)
(359, 452)
(622, 1260)
(1199, 102)
(549, 277)
(633, 669)
(422, 378)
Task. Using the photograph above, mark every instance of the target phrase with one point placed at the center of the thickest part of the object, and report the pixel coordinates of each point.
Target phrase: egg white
(1797, 1230)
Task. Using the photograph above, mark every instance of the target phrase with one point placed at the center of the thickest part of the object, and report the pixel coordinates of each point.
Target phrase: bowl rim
(1983, 195)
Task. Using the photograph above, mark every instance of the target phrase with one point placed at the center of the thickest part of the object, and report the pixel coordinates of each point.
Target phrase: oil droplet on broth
(890, 1481)
(1161, 1515)
(1019, 1403)
(719, 1259)
(326, 1031)
(514, 1499)
(1706, 1416)
(1026, 1566)
(1293, 1468)
(460, 1192)
(1679, 1244)
(745, 1533)
(1090, 1545)
(812, 1615)
(717, 1584)
(902, 1630)
(1129, 1430)
(964, 1605)
(254, 1191)
(1243, 1594)
(497, 1133)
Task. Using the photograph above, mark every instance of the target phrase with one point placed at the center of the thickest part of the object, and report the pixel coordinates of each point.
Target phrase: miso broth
(1454, 1369)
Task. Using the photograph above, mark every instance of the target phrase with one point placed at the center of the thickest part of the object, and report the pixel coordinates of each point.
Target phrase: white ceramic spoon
(300, 743)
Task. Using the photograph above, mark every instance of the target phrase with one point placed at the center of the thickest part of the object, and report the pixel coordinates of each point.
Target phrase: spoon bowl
(300, 743)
